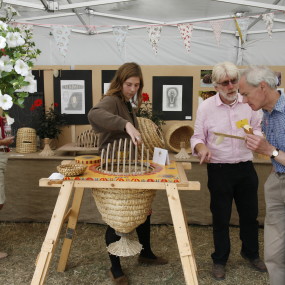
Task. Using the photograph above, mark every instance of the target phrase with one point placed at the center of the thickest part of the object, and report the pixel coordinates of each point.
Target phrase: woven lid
(151, 134)
(177, 133)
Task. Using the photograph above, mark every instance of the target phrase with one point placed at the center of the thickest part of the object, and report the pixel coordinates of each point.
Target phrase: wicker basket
(124, 209)
(177, 133)
(71, 169)
(26, 140)
(151, 135)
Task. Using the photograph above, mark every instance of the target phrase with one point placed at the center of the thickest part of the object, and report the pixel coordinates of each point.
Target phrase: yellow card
(241, 123)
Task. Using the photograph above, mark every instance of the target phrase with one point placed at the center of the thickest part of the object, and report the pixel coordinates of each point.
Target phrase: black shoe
(152, 261)
(219, 271)
(255, 263)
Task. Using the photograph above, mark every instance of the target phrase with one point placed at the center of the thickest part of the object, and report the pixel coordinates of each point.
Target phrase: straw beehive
(123, 209)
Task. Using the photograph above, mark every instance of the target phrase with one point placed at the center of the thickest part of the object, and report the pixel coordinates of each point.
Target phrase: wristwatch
(275, 153)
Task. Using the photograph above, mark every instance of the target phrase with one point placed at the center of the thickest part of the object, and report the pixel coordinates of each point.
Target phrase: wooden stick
(229, 136)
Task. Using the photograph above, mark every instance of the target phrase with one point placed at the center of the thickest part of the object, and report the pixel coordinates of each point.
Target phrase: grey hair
(224, 69)
(256, 74)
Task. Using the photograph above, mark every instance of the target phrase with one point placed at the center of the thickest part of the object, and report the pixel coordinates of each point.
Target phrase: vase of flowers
(17, 52)
(50, 123)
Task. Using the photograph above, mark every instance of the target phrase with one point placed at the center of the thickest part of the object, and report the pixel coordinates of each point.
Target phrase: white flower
(6, 102)
(2, 42)
(3, 26)
(1, 65)
(14, 39)
(9, 120)
(7, 66)
(21, 67)
(32, 87)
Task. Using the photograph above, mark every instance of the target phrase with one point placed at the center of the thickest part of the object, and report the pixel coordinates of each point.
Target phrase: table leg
(183, 241)
(53, 232)
(71, 226)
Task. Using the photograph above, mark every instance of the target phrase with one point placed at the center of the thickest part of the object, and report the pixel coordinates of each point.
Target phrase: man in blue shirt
(258, 87)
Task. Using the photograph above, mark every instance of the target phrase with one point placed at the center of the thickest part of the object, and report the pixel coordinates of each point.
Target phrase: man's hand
(203, 153)
(259, 144)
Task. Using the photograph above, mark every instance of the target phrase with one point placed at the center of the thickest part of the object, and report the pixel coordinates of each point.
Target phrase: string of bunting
(61, 33)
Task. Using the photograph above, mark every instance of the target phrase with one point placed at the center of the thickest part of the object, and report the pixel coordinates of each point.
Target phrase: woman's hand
(133, 133)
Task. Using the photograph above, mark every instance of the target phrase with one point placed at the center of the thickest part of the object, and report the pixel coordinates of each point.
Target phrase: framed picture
(73, 94)
(27, 117)
(107, 76)
(173, 97)
(206, 78)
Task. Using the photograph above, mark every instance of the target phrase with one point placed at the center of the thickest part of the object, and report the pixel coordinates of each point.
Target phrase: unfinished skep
(123, 209)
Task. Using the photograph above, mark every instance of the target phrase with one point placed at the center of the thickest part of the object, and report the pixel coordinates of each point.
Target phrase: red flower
(145, 97)
(32, 108)
(38, 102)
(55, 105)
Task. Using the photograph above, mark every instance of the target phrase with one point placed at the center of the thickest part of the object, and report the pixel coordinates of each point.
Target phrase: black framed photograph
(172, 97)
(107, 76)
(73, 94)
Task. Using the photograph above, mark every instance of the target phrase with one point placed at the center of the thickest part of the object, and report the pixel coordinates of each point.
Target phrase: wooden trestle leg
(71, 226)
(183, 241)
(53, 232)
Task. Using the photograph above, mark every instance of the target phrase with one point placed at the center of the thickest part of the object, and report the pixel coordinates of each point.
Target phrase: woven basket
(26, 140)
(123, 209)
(151, 135)
(177, 133)
(71, 169)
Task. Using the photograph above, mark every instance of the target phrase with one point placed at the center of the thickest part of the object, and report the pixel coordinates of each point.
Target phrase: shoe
(122, 280)
(255, 263)
(219, 271)
(3, 255)
(152, 261)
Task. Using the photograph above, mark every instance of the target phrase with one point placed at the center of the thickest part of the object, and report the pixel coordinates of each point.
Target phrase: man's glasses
(226, 83)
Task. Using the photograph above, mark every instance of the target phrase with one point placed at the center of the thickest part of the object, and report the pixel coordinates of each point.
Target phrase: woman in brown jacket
(114, 118)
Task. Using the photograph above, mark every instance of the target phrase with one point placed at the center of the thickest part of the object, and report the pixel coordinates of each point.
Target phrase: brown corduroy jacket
(109, 118)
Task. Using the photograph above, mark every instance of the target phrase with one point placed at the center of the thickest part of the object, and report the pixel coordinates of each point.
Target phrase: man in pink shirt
(231, 174)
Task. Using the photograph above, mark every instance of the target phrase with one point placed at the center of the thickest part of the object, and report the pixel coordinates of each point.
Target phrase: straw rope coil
(151, 135)
(177, 133)
(123, 209)
(71, 169)
(26, 140)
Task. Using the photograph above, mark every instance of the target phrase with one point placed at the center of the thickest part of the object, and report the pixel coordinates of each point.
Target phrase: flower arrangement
(146, 111)
(17, 52)
(50, 121)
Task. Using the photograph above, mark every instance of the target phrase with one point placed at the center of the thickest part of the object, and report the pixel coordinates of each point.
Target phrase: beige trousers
(274, 228)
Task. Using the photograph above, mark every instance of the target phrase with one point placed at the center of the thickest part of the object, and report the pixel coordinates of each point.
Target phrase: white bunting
(61, 35)
(186, 34)
(154, 36)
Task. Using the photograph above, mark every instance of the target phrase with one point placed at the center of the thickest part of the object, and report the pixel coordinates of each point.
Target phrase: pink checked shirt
(215, 116)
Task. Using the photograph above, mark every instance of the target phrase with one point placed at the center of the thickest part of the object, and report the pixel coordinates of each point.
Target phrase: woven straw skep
(151, 135)
(177, 133)
(123, 209)
(26, 141)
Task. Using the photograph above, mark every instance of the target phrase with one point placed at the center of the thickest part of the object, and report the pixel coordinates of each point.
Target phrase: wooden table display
(170, 178)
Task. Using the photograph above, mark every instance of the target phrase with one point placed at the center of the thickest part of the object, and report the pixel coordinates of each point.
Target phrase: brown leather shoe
(256, 263)
(219, 271)
(122, 280)
(152, 261)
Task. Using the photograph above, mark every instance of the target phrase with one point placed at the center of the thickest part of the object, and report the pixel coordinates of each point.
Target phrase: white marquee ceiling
(81, 13)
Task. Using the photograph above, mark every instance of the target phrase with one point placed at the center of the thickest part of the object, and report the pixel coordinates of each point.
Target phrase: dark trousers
(239, 182)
